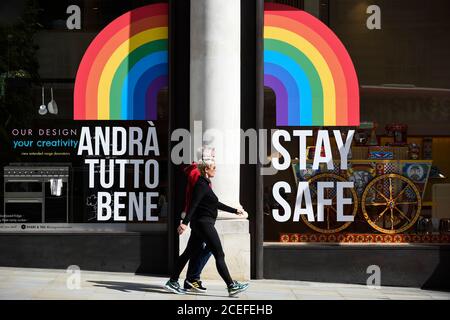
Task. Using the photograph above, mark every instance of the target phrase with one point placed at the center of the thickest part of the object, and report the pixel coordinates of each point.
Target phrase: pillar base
(235, 237)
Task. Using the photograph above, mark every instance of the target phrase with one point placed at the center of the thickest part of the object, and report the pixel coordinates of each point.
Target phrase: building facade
(175, 67)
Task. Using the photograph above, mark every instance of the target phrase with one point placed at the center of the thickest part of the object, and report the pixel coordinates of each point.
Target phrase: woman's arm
(198, 193)
(226, 208)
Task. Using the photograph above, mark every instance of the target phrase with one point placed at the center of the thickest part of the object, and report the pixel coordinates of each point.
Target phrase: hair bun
(207, 154)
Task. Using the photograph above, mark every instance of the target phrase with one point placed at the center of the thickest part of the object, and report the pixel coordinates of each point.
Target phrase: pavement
(46, 284)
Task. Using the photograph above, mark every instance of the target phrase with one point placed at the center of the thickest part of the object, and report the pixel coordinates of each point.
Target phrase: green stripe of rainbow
(124, 67)
(309, 69)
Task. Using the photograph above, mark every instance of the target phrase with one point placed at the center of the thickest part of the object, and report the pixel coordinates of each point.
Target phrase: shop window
(38, 69)
(398, 160)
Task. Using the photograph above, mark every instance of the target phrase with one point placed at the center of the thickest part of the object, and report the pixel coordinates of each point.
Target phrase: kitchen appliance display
(36, 193)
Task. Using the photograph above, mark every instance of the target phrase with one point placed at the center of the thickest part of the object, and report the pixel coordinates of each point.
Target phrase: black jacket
(204, 203)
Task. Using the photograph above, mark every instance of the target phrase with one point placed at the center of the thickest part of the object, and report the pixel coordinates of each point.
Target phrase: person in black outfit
(196, 264)
(202, 216)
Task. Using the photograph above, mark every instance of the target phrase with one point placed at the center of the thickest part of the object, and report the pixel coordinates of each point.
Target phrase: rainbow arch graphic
(309, 69)
(124, 68)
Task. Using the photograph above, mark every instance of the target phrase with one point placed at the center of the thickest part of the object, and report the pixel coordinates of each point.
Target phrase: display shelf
(364, 238)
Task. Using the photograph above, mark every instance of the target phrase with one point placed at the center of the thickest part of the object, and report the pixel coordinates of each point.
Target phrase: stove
(35, 172)
(36, 193)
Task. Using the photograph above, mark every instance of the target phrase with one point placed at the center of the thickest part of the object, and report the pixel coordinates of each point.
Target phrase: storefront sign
(322, 155)
(119, 142)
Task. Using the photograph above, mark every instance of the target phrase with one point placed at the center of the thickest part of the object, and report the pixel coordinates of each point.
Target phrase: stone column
(215, 94)
(215, 87)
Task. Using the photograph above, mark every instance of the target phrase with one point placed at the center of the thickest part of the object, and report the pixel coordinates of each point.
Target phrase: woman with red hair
(198, 262)
(202, 214)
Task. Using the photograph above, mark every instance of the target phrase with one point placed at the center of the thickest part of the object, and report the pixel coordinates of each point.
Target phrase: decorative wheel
(330, 223)
(391, 203)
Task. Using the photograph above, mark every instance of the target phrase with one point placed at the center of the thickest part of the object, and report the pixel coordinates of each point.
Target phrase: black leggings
(203, 232)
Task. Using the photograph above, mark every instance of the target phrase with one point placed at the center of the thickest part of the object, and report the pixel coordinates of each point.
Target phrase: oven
(36, 194)
(23, 210)
(56, 206)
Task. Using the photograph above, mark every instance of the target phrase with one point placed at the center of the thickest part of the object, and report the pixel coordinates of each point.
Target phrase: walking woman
(202, 216)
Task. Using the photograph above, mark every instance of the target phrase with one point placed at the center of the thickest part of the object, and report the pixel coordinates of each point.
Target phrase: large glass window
(43, 179)
(398, 161)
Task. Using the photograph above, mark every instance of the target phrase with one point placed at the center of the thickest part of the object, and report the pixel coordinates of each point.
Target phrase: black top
(204, 203)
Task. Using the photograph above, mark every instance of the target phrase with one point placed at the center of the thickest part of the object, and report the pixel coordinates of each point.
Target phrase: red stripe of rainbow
(309, 69)
(124, 67)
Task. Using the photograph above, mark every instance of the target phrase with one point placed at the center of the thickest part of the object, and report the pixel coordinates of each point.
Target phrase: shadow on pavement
(133, 286)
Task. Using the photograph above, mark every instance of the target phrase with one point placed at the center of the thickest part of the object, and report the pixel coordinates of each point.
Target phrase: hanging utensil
(43, 108)
(52, 106)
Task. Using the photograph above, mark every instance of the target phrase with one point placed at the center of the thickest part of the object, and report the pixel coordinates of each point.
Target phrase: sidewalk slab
(43, 284)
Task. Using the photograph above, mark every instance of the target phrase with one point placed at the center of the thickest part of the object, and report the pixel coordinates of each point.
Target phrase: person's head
(207, 168)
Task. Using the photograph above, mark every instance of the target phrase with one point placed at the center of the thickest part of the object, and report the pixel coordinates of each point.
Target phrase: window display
(46, 158)
(393, 162)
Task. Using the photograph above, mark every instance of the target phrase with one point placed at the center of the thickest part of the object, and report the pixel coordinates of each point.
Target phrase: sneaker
(236, 288)
(194, 285)
(174, 286)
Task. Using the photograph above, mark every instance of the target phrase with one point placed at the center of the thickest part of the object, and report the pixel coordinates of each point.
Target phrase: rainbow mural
(124, 68)
(309, 69)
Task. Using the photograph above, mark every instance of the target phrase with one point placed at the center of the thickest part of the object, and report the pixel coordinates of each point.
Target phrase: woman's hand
(181, 228)
(240, 212)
